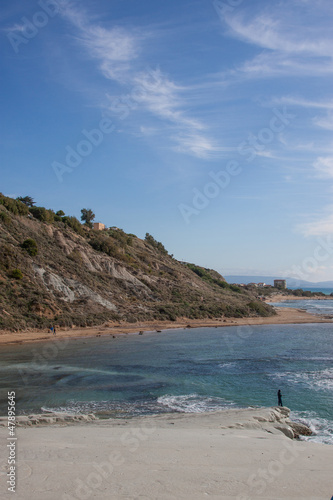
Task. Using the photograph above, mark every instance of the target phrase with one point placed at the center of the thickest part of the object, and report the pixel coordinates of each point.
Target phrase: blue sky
(207, 124)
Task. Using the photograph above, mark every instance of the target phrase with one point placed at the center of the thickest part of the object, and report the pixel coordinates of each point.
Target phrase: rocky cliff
(70, 274)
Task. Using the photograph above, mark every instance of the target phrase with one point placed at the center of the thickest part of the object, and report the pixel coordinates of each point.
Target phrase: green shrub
(16, 207)
(42, 214)
(205, 275)
(16, 274)
(259, 308)
(30, 246)
(73, 223)
(121, 237)
(5, 219)
(104, 244)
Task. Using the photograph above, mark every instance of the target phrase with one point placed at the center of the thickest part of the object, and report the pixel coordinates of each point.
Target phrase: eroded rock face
(276, 418)
(300, 429)
(48, 419)
(70, 289)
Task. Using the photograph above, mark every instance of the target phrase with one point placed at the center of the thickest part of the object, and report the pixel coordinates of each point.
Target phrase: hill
(54, 270)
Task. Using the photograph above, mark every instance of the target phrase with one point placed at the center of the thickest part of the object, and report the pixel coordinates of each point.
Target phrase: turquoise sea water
(313, 306)
(190, 370)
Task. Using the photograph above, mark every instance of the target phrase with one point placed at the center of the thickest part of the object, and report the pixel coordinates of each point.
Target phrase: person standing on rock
(279, 394)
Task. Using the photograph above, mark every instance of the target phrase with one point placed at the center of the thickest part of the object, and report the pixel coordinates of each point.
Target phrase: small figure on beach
(54, 330)
(51, 329)
(279, 394)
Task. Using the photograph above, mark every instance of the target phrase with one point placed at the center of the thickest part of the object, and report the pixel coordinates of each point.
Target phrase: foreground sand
(283, 316)
(234, 454)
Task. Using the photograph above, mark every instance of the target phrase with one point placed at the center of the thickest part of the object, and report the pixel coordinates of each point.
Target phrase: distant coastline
(281, 297)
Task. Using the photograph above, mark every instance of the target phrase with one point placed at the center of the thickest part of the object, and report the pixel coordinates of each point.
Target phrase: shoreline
(281, 297)
(225, 454)
(284, 316)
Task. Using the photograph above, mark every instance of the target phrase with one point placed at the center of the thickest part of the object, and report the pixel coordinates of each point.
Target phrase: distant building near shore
(98, 226)
(261, 285)
(280, 284)
(253, 284)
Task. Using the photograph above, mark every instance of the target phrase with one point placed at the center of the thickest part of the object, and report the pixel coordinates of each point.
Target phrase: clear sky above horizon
(207, 124)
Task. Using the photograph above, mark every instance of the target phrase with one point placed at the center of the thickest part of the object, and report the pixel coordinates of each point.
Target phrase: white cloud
(162, 97)
(114, 48)
(325, 122)
(198, 146)
(305, 103)
(320, 227)
(275, 32)
(294, 39)
(117, 51)
(324, 165)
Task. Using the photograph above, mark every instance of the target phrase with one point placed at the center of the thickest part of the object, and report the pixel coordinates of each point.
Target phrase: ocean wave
(193, 403)
(322, 428)
(227, 365)
(317, 380)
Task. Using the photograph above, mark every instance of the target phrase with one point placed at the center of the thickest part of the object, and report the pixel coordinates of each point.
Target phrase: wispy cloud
(324, 166)
(276, 32)
(305, 103)
(320, 227)
(290, 43)
(119, 55)
(113, 48)
(325, 122)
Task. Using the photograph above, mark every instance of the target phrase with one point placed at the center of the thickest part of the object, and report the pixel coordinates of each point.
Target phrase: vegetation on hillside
(53, 269)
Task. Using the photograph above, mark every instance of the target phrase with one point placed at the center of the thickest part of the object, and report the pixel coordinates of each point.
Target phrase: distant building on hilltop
(280, 284)
(98, 226)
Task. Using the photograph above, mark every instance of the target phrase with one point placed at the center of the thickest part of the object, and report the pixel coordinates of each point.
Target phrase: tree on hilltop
(87, 216)
(27, 200)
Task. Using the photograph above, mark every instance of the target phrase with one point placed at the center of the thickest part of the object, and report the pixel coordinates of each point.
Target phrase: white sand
(217, 455)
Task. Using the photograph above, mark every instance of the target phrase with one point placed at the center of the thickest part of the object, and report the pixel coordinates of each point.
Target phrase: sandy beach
(283, 316)
(233, 454)
(239, 454)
